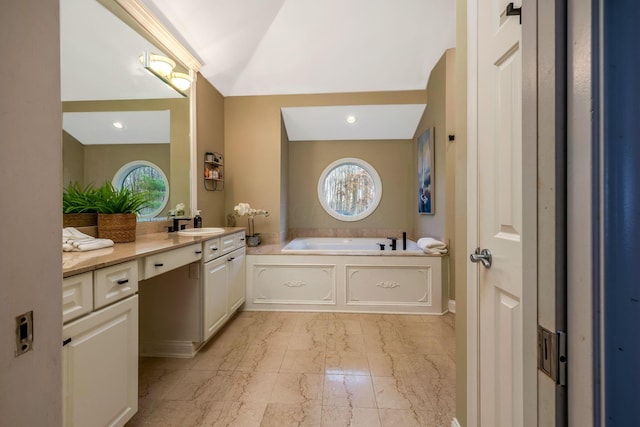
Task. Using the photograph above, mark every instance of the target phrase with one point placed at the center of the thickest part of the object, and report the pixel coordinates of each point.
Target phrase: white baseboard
(452, 305)
(180, 349)
(454, 421)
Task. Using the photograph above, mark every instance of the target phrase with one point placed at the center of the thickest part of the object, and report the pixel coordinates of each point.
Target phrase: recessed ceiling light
(351, 119)
(118, 125)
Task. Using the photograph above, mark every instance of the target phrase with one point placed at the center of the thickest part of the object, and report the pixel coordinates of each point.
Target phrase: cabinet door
(237, 283)
(215, 295)
(100, 366)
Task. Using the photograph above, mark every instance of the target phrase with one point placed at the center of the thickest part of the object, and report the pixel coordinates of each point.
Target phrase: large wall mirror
(349, 189)
(116, 112)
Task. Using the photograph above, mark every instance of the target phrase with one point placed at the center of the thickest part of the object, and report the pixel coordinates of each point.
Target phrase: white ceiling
(140, 127)
(268, 47)
(371, 122)
(99, 56)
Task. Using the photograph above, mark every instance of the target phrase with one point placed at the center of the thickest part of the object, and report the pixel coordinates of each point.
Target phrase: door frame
(529, 220)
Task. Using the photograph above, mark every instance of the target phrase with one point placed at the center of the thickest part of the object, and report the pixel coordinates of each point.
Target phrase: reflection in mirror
(104, 85)
(349, 189)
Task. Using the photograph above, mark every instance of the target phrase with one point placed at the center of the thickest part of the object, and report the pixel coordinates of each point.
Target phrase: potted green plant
(78, 206)
(117, 211)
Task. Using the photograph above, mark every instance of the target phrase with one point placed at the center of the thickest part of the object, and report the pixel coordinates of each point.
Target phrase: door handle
(483, 256)
(511, 10)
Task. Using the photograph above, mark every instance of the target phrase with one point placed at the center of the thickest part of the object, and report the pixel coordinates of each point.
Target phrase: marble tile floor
(308, 369)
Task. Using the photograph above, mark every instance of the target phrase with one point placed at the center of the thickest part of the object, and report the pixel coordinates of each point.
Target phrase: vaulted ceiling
(267, 47)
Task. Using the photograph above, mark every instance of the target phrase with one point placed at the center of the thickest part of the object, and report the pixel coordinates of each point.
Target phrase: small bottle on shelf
(197, 220)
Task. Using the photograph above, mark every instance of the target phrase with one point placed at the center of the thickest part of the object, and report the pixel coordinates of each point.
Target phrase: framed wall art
(426, 172)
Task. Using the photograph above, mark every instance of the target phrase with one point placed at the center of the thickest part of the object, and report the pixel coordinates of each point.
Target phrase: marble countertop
(148, 244)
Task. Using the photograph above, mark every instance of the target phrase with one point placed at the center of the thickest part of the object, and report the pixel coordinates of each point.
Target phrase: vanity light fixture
(351, 119)
(180, 80)
(162, 67)
(160, 64)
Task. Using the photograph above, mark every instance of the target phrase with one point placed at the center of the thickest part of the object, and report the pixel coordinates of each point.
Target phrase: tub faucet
(176, 224)
(394, 241)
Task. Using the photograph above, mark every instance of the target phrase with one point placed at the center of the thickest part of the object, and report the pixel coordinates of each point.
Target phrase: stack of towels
(432, 246)
(74, 240)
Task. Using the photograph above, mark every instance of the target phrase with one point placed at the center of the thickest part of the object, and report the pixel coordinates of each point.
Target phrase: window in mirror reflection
(349, 189)
(145, 177)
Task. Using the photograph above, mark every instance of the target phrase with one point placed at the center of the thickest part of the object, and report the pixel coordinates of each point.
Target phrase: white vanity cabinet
(223, 280)
(100, 349)
(180, 309)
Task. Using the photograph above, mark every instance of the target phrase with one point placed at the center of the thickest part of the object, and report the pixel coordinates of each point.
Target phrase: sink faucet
(176, 224)
(394, 241)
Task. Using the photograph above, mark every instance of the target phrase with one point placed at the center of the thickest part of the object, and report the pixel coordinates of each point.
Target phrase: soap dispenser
(197, 220)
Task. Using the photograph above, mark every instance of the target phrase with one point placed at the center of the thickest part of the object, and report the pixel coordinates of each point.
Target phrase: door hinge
(552, 354)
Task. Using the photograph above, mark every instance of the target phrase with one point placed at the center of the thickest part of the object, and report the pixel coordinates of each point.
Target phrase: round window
(145, 177)
(349, 189)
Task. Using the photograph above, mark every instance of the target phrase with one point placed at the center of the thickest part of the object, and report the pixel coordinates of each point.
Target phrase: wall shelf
(213, 171)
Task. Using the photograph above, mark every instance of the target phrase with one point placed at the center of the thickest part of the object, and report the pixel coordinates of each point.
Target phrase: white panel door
(500, 215)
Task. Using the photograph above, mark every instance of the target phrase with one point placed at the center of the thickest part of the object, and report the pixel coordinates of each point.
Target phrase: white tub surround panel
(303, 283)
(346, 283)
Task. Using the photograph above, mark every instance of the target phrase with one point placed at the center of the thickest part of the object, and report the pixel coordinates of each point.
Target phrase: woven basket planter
(79, 219)
(120, 228)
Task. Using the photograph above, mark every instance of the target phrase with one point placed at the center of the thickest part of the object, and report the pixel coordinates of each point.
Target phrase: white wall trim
(452, 306)
(473, 350)
(455, 423)
(149, 22)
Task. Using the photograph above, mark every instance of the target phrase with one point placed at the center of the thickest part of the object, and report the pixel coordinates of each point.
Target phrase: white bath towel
(76, 241)
(432, 246)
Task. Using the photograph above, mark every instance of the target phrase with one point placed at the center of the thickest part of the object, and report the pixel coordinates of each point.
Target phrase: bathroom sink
(200, 231)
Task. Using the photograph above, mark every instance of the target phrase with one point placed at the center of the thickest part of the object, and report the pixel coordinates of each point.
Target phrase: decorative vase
(254, 240)
(120, 228)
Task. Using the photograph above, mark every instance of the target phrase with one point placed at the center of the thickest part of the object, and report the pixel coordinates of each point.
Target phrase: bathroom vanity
(143, 291)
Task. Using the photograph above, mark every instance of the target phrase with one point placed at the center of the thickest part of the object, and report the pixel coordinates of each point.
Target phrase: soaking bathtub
(347, 275)
(349, 246)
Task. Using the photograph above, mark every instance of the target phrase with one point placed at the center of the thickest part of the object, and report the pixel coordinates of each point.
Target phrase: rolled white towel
(76, 241)
(432, 246)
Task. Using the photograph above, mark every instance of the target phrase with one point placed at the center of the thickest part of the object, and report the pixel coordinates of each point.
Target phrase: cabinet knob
(65, 342)
(158, 264)
(123, 281)
(213, 248)
(231, 259)
(198, 252)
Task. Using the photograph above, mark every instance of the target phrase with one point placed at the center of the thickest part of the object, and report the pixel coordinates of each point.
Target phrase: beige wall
(210, 137)
(433, 117)
(30, 196)
(390, 158)
(461, 262)
(253, 146)
(73, 160)
(440, 116)
(173, 159)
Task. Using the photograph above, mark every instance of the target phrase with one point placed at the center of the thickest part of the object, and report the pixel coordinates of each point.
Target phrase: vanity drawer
(228, 243)
(239, 240)
(154, 265)
(114, 283)
(77, 296)
(211, 249)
